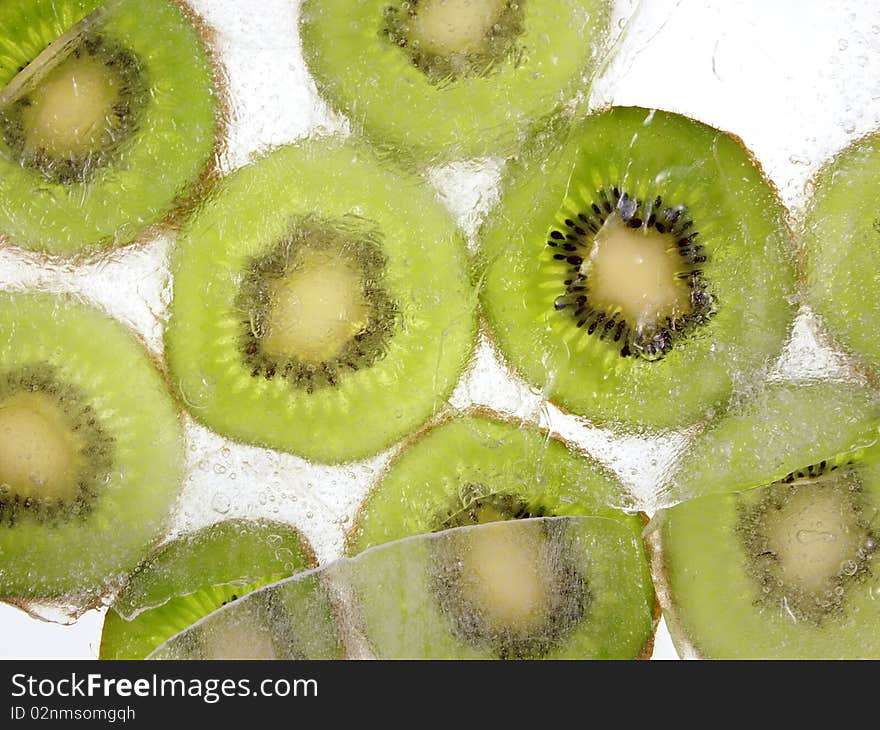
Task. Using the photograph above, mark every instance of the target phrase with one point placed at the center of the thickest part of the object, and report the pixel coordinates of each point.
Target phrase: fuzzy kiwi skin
(426, 276)
(749, 272)
(184, 580)
(424, 485)
(840, 233)
(79, 556)
(400, 108)
(162, 167)
(715, 608)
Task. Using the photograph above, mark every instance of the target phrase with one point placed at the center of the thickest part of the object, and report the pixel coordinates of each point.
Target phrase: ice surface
(795, 85)
(559, 587)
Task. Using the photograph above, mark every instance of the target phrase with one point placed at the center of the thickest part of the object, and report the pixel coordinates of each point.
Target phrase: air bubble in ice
(806, 537)
(221, 503)
(284, 555)
(196, 391)
(849, 567)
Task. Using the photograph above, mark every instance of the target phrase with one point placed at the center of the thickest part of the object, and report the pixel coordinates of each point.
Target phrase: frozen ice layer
(572, 587)
(197, 573)
(109, 128)
(777, 429)
(551, 588)
(784, 571)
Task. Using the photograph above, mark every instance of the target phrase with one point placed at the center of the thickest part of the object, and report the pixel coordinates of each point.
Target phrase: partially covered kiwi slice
(640, 271)
(783, 571)
(90, 461)
(540, 590)
(841, 232)
(198, 573)
(774, 432)
(451, 78)
(107, 122)
(321, 305)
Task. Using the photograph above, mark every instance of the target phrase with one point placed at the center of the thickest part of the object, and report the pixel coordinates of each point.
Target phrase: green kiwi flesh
(640, 270)
(450, 79)
(322, 305)
(775, 431)
(783, 571)
(107, 124)
(196, 574)
(542, 589)
(840, 235)
(91, 461)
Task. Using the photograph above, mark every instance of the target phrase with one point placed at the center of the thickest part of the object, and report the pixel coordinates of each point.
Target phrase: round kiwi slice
(185, 581)
(108, 119)
(541, 590)
(841, 233)
(639, 272)
(451, 78)
(321, 305)
(783, 571)
(90, 450)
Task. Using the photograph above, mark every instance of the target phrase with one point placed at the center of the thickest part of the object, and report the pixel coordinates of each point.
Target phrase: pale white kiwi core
(503, 576)
(633, 271)
(72, 108)
(41, 456)
(448, 27)
(238, 634)
(316, 308)
(813, 537)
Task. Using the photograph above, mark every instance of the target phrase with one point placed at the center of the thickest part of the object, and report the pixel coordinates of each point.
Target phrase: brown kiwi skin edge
(447, 415)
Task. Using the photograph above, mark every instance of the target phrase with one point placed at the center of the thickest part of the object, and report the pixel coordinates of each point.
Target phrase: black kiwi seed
(358, 244)
(97, 450)
(498, 45)
(808, 599)
(572, 243)
(476, 501)
(121, 126)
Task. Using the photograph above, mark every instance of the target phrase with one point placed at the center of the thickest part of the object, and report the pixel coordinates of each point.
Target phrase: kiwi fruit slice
(640, 271)
(90, 450)
(196, 574)
(109, 119)
(451, 79)
(783, 571)
(541, 590)
(840, 235)
(322, 304)
(774, 432)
